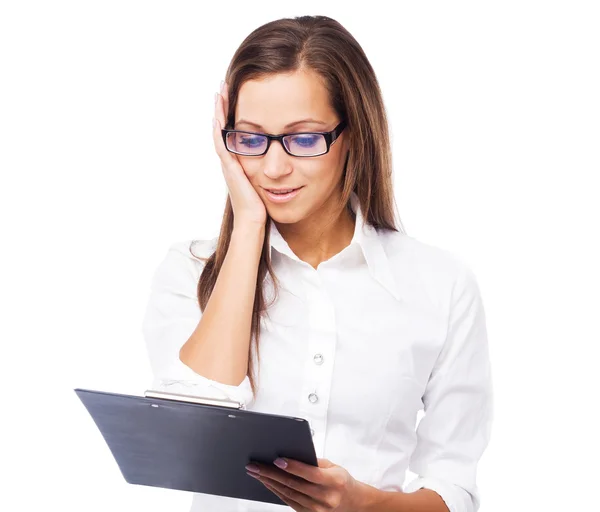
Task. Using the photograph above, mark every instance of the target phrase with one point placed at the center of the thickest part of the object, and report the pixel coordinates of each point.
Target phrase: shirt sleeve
(458, 405)
(171, 316)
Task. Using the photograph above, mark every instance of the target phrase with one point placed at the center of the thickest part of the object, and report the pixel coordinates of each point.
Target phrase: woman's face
(274, 105)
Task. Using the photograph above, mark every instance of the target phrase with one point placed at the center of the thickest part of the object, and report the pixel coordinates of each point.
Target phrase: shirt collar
(365, 236)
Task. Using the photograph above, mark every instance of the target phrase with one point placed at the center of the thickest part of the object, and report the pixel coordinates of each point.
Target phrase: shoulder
(195, 251)
(185, 258)
(424, 269)
(405, 249)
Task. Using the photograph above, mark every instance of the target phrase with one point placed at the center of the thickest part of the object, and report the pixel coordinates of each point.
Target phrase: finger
(220, 115)
(218, 139)
(294, 483)
(220, 148)
(293, 504)
(225, 96)
(289, 480)
(294, 499)
(325, 463)
(217, 135)
(305, 471)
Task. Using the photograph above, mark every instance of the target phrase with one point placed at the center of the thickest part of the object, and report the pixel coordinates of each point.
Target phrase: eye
(251, 141)
(306, 140)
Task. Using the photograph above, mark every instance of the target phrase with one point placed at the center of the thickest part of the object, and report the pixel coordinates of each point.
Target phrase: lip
(282, 198)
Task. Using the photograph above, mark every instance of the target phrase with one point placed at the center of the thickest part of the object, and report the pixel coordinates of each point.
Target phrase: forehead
(280, 99)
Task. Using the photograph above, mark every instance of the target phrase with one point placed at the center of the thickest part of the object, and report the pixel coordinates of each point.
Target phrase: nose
(276, 162)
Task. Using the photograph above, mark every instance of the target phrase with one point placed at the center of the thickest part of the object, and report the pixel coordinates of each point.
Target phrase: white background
(106, 158)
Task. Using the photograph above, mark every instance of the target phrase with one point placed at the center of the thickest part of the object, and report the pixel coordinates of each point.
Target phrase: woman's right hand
(248, 207)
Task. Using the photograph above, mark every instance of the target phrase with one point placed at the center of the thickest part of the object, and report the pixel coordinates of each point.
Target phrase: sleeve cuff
(455, 497)
(190, 383)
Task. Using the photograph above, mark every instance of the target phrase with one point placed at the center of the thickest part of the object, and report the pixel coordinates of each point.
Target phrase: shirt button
(313, 398)
(318, 359)
(312, 432)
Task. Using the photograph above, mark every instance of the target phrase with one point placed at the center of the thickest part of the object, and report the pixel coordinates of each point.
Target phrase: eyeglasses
(295, 144)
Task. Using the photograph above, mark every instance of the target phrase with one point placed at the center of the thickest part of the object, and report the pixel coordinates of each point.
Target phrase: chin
(284, 216)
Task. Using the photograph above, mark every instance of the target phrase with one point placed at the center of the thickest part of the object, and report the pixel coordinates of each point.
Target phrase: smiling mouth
(283, 196)
(282, 191)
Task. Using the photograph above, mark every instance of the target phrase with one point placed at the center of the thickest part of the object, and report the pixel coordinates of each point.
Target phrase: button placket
(322, 338)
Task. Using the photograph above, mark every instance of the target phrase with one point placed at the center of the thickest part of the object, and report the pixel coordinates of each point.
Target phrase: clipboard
(195, 444)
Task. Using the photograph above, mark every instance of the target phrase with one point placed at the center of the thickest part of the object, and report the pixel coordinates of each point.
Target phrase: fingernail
(280, 463)
(214, 123)
(216, 97)
(253, 468)
(222, 85)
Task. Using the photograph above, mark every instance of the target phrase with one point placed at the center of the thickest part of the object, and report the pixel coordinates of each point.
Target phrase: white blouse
(388, 328)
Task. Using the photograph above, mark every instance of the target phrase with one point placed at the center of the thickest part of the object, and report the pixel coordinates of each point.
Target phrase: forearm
(423, 500)
(218, 347)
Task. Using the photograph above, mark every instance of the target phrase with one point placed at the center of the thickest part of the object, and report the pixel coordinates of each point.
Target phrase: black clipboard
(195, 444)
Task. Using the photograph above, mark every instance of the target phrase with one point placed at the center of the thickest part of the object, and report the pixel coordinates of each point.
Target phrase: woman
(359, 326)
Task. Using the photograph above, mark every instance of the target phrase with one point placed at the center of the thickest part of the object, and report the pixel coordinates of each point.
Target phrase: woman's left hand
(308, 488)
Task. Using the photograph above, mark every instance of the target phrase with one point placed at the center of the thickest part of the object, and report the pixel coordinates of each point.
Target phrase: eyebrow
(289, 125)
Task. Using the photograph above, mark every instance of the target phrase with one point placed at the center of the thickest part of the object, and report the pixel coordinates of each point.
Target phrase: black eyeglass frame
(330, 138)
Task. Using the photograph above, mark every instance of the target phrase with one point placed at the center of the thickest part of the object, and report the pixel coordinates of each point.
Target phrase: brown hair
(324, 46)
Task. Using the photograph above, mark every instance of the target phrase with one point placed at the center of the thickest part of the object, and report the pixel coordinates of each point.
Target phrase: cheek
(252, 168)
(322, 170)
(329, 169)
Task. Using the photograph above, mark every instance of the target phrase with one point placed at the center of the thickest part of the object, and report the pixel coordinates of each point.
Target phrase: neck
(321, 236)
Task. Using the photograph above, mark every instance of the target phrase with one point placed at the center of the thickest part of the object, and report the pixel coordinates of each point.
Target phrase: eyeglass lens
(305, 144)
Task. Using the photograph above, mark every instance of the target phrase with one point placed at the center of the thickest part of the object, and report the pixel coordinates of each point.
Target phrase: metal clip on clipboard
(232, 404)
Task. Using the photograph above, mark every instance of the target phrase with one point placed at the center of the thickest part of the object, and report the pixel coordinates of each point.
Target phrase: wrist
(243, 229)
(368, 498)
(245, 234)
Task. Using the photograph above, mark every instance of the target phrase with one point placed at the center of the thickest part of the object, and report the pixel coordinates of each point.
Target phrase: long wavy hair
(324, 46)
